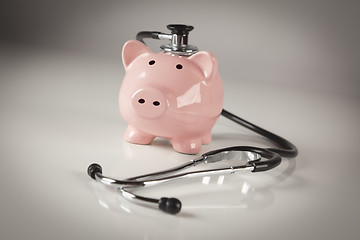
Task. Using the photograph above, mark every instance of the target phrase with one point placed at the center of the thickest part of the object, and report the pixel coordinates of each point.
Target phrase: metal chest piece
(178, 39)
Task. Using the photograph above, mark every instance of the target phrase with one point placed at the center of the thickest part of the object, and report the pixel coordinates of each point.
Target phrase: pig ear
(207, 63)
(131, 50)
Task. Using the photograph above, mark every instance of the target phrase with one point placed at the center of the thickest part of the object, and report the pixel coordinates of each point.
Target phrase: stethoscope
(257, 159)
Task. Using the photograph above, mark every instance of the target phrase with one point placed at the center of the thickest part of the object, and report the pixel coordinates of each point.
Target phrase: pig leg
(206, 139)
(189, 146)
(137, 136)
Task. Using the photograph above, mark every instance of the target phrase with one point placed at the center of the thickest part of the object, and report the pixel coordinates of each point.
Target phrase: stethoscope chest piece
(179, 40)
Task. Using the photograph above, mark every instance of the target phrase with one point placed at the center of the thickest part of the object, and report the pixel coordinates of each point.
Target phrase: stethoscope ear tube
(168, 205)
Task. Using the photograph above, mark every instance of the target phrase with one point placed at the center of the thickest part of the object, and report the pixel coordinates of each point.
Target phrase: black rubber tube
(286, 148)
(147, 34)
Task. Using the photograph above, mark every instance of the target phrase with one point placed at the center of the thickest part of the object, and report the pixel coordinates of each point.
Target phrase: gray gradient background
(60, 72)
(312, 44)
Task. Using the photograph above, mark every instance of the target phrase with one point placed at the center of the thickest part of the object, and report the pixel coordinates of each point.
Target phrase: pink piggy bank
(170, 96)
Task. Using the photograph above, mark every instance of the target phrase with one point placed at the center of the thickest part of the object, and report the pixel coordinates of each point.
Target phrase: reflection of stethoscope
(257, 159)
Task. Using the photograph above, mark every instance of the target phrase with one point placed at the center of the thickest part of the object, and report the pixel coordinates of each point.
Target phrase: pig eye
(179, 66)
(152, 62)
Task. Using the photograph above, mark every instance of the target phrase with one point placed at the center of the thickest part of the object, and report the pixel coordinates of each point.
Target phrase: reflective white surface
(59, 114)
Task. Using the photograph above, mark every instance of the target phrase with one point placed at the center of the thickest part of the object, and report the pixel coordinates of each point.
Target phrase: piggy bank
(170, 96)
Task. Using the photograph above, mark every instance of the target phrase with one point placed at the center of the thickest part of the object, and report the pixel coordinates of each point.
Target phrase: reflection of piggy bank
(170, 96)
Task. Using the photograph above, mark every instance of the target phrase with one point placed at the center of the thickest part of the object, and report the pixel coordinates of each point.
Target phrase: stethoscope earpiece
(170, 205)
(93, 169)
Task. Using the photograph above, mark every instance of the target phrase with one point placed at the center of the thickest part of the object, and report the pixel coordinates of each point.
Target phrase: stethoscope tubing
(287, 148)
(172, 205)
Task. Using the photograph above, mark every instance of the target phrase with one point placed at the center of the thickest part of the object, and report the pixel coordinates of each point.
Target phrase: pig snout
(149, 103)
